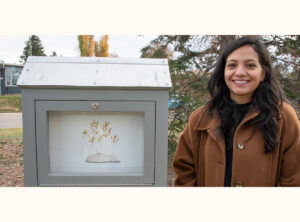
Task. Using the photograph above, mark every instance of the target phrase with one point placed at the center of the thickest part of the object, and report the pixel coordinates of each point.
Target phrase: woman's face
(243, 73)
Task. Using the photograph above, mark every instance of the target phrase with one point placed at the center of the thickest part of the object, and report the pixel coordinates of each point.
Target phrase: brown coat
(200, 156)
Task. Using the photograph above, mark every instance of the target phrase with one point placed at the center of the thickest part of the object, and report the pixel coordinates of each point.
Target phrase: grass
(13, 135)
(5, 161)
(11, 103)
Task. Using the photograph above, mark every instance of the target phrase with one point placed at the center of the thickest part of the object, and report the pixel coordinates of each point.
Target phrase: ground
(171, 177)
(12, 169)
(11, 165)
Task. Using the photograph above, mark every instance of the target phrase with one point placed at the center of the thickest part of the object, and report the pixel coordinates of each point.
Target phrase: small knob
(95, 105)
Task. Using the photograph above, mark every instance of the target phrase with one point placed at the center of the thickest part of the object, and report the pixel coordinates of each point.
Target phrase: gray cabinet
(82, 135)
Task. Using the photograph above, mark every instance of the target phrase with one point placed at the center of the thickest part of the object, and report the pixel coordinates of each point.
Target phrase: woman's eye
(231, 65)
(251, 65)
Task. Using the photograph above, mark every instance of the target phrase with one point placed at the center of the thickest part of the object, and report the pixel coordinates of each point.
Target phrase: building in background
(9, 75)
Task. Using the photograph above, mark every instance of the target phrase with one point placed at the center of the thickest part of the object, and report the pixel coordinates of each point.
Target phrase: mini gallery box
(95, 121)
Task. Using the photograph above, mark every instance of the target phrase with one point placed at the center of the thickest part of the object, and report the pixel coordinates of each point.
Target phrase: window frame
(8, 73)
(46, 178)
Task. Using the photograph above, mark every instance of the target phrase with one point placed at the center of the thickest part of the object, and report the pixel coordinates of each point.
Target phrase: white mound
(102, 158)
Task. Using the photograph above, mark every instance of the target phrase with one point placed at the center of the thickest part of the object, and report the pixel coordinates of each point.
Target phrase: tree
(156, 50)
(194, 61)
(89, 47)
(86, 45)
(286, 59)
(97, 50)
(101, 49)
(33, 47)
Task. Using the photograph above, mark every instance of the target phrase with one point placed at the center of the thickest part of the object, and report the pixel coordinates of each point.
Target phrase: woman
(246, 135)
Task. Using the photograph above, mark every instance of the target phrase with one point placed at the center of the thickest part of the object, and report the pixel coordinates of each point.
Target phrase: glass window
(12, 75)
(85, 142)
(7, 77)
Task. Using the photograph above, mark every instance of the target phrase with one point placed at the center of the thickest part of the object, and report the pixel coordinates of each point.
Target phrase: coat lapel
(211, 123)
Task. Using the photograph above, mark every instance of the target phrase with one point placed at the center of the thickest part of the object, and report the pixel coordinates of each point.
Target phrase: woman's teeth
(240, 82)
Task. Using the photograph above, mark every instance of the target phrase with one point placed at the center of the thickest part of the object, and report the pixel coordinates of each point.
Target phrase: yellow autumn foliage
(86, 45)
(101, 49)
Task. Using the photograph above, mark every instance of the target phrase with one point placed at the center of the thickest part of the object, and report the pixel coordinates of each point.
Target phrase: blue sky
(125, 46)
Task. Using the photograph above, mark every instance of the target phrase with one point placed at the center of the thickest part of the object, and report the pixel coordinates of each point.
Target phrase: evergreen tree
(33, 47)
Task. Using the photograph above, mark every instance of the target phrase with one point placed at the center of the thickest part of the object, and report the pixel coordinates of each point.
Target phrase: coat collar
(212, 121)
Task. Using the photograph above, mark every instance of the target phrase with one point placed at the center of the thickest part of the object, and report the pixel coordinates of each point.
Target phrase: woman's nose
(240, 71)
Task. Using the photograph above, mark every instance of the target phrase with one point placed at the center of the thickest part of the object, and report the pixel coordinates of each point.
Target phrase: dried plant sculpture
(104, 140)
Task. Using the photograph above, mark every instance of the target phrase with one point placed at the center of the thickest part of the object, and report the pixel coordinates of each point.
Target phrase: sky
(125, 46)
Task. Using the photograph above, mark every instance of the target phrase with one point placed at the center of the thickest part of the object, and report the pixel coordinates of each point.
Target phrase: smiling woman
(243, 73)
(246, 135)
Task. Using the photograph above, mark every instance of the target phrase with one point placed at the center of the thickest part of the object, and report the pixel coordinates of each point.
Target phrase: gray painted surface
(60, 83)
(29, 140)
(2, 81)
(72, 96)
(11, 90)
(44, 176)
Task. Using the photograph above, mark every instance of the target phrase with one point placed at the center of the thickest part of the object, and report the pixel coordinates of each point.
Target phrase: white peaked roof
(41, 71)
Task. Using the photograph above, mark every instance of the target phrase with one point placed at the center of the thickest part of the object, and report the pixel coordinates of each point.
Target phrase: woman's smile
(241, 82)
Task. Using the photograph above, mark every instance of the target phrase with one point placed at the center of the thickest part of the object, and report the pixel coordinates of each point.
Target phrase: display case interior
(89, 142)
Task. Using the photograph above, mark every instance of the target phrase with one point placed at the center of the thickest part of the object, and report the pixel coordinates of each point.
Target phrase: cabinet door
(85, 143)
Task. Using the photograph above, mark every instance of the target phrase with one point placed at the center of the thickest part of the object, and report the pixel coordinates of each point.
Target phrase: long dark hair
(267, 98)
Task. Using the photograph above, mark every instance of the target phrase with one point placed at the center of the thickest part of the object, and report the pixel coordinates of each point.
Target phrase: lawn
(11, 103)
(14, 135)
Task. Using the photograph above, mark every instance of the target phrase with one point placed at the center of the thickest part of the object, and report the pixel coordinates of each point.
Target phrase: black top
(241, 110)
